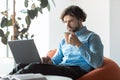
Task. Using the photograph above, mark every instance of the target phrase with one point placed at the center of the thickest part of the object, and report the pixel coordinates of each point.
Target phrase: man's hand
(46, 60)
(73, 40)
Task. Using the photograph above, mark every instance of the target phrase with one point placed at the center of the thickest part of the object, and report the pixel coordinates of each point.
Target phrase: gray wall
(115, 30)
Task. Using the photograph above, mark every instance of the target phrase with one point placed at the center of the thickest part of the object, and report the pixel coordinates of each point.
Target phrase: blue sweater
(88, 55)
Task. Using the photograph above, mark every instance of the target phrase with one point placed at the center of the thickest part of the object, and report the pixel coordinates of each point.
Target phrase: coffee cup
(67, 35)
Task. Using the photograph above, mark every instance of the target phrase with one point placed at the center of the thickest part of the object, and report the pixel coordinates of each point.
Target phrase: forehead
(68, 17)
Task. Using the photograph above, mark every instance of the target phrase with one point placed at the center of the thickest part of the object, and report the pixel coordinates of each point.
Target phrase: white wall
(97, 20)
(6, 66)
(115, 30)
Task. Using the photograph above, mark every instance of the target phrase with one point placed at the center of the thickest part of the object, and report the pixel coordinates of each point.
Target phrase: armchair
(109, 71)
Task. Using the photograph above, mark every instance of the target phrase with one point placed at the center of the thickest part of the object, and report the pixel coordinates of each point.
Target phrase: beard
(73, 29)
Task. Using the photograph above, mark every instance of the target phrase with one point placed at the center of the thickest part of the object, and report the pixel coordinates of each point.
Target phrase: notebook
(24, 51)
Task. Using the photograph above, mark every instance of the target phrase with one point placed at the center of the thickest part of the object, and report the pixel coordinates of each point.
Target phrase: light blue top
(88, 55)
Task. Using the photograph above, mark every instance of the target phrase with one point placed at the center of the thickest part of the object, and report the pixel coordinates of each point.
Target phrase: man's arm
(94, 53)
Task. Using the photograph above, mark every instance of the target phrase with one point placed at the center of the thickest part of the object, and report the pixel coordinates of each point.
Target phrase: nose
(67, 24)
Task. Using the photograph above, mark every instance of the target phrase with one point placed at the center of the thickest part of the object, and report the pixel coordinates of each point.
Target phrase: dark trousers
(73, 72)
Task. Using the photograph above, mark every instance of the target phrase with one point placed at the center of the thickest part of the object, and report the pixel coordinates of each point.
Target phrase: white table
(54, 77)
(35, 76)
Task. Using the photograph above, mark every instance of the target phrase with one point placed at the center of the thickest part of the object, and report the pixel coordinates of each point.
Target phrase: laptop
(24, 51)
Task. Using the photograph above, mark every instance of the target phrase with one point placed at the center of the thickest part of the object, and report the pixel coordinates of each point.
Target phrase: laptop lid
(24, 51)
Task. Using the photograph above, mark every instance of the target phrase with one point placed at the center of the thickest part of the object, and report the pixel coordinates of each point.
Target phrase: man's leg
(17, 68)
(48, 69)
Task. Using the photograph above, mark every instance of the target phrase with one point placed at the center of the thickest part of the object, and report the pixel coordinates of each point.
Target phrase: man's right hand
(46, 60)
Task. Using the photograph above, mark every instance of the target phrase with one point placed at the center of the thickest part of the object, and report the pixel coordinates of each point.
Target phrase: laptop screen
(24, 51)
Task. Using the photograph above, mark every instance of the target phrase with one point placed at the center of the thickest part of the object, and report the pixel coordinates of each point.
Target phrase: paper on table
(26, 77)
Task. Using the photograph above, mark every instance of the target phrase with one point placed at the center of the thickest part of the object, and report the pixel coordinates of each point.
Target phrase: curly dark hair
(74, 11)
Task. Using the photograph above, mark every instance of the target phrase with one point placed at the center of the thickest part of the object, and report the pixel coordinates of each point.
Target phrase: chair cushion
(109, 71)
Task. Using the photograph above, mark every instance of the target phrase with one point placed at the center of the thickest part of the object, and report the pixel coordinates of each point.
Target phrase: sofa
(109, 71)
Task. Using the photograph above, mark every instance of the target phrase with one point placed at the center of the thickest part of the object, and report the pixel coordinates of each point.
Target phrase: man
(83, 53)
